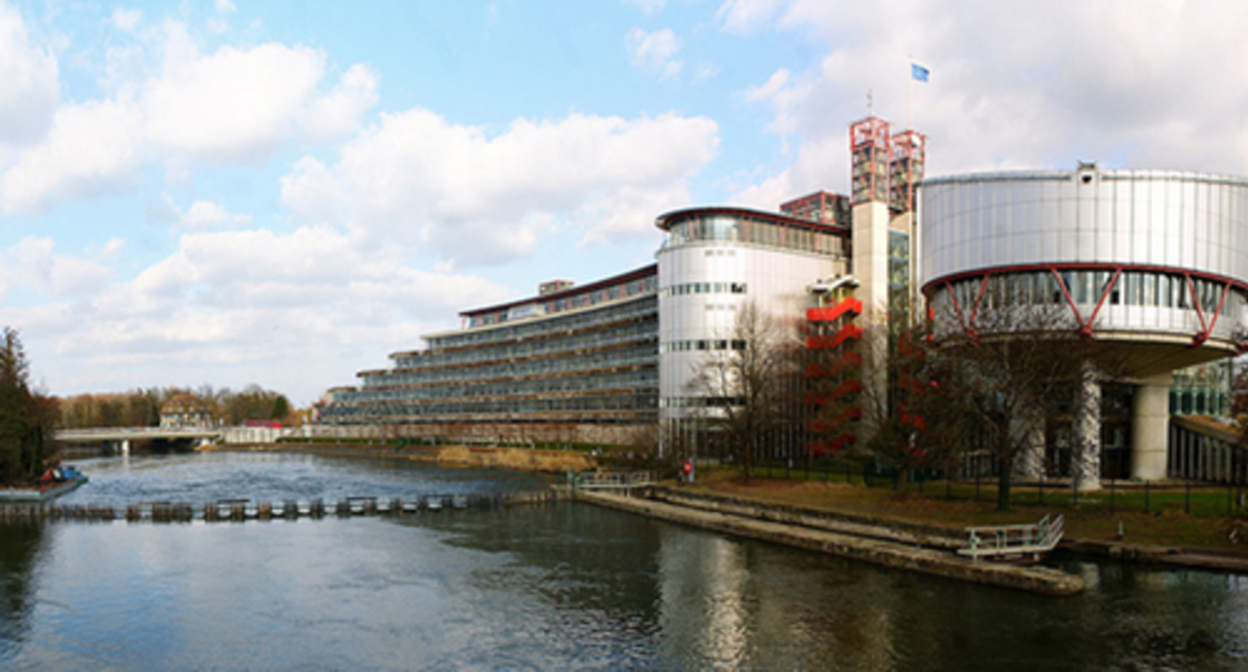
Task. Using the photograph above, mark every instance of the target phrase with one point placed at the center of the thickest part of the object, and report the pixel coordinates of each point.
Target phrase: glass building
(552, 367)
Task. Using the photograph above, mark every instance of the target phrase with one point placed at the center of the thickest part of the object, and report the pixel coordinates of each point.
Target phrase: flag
(919, 72)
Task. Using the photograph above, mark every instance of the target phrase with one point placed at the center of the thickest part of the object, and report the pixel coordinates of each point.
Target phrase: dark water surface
(549, 587)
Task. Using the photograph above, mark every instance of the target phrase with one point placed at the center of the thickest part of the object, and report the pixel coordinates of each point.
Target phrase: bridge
(119, 438)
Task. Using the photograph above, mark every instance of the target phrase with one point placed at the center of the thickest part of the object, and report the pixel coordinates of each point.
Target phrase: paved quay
(1174, 556)
(876, 549)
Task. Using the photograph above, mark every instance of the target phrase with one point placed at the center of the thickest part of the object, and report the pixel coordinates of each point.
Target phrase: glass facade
(1174, 297)
(594, 363)
(752, 229)
(899, 279)
(1202, 390)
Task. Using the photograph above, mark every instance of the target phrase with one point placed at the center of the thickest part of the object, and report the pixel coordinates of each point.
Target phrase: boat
(54, 483)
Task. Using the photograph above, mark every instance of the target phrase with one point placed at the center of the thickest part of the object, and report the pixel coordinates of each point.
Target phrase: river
(560, 586)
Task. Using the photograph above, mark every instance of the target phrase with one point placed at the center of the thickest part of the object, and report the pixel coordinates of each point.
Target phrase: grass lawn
(1088, 516)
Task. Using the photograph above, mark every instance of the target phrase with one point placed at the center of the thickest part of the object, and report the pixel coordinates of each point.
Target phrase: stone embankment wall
(876, 548)
(525, 459)
(928, 536)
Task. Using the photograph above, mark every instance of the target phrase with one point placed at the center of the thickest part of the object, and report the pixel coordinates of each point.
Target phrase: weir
(238, 510)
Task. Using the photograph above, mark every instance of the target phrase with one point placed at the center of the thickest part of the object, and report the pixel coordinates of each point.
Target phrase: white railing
(1018, 541)
(612, 480)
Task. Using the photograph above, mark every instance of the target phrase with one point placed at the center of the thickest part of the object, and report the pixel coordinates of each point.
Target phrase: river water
(561, 586)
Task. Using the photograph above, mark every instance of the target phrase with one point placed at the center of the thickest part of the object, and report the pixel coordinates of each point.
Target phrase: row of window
(704, 288)
(700, 402)
(701, 345)
(756, 231)
(639, 377)
(574, 345)
(572, 364)
(581, 300)
(1132, 288)
(626, 400)
(641, 308)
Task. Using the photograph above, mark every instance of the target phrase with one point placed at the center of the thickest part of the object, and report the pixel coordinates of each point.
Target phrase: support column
(125, 447)
(1087, 463)
(869, 265)
(1030, 463)
(1150, 425)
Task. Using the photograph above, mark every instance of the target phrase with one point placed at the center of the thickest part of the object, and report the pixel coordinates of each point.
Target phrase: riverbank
(1168, 537)
(897, 548)
(485, 457)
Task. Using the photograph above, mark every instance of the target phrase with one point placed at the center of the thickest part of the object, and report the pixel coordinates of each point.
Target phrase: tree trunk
(900, 483)
(1003, 485)
(746, 458)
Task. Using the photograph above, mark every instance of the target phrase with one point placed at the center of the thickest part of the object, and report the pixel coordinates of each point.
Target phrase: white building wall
(776, 282)
(1170, 219)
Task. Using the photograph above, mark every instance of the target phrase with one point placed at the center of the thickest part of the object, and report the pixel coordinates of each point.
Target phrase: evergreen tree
(26, 417)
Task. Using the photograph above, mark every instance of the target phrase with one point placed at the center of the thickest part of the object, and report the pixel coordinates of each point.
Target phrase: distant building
(185, 410)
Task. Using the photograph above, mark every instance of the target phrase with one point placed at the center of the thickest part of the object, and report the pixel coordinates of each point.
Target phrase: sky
(283, 193)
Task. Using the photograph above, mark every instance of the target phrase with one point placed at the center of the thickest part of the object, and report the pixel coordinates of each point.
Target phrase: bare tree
(1004, 380)
(745, 382)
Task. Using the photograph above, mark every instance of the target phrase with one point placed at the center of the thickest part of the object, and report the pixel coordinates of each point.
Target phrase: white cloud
(416, 179)
(654, 52)
(303, 308)
(1038, 85)
(234, 104)
(338, 113)
(29, 87)
(34, 263)
(92, 148)
(204, 215)
(243, 105)
(225, 7)
(126, 19)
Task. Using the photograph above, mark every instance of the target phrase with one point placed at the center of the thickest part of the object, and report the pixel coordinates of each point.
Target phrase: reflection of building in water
(701, 580)
(726, 604)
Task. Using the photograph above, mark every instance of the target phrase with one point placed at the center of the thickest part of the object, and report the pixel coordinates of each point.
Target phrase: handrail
(1015, 540)
(592, 480)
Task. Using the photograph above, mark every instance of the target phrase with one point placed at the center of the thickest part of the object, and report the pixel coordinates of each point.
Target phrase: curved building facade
(1154, 261)
(714, 262)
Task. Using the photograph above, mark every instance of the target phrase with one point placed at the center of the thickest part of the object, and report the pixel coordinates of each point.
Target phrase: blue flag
(919, 72)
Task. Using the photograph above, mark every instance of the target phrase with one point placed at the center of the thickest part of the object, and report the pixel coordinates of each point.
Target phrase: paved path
(875, 550)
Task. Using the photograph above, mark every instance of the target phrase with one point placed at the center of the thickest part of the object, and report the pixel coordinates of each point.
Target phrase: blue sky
(222, 192)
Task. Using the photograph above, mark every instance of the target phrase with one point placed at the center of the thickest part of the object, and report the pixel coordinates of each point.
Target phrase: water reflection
(545, 587)
(19, 546)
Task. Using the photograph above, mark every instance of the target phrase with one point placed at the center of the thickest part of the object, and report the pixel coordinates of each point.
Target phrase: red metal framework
(1087, 325)
(906, 168)
(821, 206)
(871, 152)
(831, 375)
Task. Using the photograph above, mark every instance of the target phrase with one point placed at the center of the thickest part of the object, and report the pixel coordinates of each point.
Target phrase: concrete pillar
(1030, 462)
(869, 265)
(1086, 465)
(125, 447)
(1150, 425)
